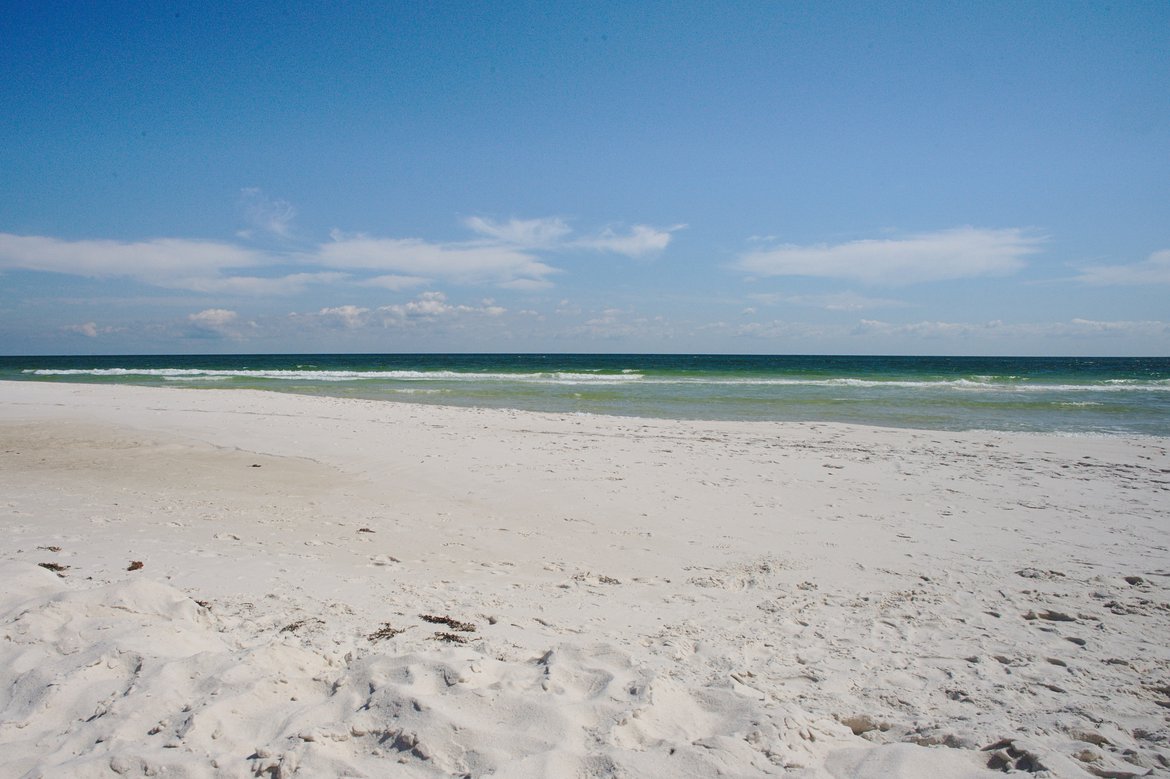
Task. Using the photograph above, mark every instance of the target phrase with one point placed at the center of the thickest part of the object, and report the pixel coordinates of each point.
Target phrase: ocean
(1107, 395)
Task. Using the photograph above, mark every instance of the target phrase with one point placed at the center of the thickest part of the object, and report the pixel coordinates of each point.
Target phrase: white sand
(649, 598)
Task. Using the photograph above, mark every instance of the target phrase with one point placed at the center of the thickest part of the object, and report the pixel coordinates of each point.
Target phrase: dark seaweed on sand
(386, 631)
(454, 624)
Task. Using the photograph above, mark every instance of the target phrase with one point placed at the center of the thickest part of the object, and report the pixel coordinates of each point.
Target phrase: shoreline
(617, 417)
(1119, 396)
(646, 594)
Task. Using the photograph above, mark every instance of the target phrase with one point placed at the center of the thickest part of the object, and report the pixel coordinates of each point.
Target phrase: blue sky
(917, 178)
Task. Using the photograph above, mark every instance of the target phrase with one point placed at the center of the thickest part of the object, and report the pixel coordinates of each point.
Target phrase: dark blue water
(1044, 394)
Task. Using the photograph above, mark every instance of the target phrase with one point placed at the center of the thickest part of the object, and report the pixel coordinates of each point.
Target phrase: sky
(716, 177)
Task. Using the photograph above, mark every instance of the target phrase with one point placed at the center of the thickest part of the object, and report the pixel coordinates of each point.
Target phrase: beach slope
(203, 583)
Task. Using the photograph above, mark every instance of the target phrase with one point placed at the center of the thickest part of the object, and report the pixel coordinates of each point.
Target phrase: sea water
(1107, 395)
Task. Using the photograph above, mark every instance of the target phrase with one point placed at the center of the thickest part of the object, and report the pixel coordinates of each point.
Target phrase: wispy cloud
(929, 329)
(554, 234)
(618, 324)
(153, 261)
(348, 316)
(429, 309)
(88, 329)
(1008, 336)
(290, 284)
(1079, 327)
(171, 263)
(774, 329)
(504, 254)
(777, 329)
(433, 305)
(1073, 328)
(1155, 269)
(530, 233)
(640, 241)
(268, 215)
(962, 252)
(839, 301)
(394, 282)
(467, 263)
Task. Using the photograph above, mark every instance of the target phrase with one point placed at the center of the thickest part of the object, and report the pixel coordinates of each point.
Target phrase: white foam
(627, 376)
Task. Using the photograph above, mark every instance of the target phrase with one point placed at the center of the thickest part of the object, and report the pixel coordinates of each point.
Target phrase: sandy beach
(235, 583)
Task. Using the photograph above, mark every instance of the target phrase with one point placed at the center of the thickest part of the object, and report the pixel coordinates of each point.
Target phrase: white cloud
(926, 329)
(641, 241)
(348, 316)
(266, 214)
(89, 329)
(214, 323)
(504, 254)
(428, 304)
(467, 263)
(255, 285)
(489, 307)
(213, 318)
(1155, 269)
(170, 263)
(206, 266)
(532, 233)
(394, 282)
(775, 328)
(840, 301)
(553, 233)
(431, 306)
(847, 301)
(1074, 328)
(962, 252)
(153, 261)
(1085, 327)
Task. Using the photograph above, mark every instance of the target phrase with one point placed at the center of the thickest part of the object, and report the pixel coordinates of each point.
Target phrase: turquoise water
(1044, 394)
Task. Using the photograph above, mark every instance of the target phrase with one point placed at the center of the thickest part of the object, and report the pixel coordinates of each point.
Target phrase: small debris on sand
(293, 627)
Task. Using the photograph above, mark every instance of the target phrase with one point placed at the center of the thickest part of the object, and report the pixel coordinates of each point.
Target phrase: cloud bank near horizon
(944, 255)
(530, 255)
(506, 254)
(515, 254)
